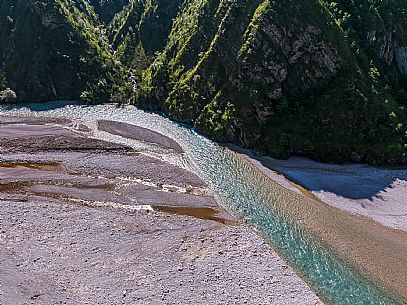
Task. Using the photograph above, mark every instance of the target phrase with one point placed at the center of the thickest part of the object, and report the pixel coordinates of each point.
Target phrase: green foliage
(316, 84)
(329, 83)
(56, 50)
(108, 9)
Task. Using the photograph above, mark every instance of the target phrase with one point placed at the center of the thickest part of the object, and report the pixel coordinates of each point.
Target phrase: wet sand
(376, 251)
(83, 221)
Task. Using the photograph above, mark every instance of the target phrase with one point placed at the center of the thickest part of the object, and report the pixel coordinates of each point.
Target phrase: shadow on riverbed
(40, 106)
(353, 181)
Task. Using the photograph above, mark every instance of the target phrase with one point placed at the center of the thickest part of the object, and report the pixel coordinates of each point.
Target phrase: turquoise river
(244, 192)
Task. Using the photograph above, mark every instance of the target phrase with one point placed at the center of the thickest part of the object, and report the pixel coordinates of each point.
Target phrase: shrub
(8, 96)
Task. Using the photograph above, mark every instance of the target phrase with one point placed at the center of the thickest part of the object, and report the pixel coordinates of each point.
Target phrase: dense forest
(324, 79)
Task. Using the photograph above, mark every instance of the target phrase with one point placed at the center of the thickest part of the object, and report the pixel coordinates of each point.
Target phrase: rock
(401, 58)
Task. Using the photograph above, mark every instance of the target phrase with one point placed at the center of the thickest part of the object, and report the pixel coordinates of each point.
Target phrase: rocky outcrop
(50, 20)
(326, 79)
(401, 58)
(272, 78)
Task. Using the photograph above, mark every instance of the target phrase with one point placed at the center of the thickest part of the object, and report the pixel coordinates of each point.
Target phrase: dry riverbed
(83, 221)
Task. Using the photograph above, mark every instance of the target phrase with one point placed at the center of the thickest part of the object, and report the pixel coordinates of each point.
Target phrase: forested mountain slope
(326, 79)
(55, 50)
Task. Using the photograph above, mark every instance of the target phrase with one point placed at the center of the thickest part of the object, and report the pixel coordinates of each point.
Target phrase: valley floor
(83, 221)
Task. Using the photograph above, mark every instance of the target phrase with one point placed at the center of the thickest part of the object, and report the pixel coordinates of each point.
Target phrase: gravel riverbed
(81, 222)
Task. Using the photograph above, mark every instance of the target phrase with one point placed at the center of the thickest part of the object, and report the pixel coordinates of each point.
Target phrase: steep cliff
(141, 30)
(55, 50)
(268, 76)
(326, 79)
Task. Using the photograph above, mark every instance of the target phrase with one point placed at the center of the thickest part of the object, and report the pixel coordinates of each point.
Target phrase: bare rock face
(284, 60)
(387, 48)
(50, 20)
(252, 72)
(392, 53)
(307, 56)
(301, 52)
(401, 58)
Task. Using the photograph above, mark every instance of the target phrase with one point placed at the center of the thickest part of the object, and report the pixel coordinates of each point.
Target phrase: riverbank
(85, 221)
(376, 251)
(376, 193)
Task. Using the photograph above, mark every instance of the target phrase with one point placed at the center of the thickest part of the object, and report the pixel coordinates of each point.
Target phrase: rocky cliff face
(328, 84)
(54, 50)
(326, 79)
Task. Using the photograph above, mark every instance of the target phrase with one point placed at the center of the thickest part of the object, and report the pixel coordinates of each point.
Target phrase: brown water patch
(104, 186)
(14, 187)
(36, 165)
(304, 191)
(201, 213)
(79, 186)
(23, 187)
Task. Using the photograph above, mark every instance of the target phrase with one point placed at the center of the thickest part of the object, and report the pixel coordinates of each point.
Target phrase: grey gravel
(54, 250)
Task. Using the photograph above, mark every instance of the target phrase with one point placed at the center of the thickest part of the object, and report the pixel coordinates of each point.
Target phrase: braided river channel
(244, 192)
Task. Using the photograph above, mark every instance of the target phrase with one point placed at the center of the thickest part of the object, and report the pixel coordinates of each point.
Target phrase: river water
(244, 192)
